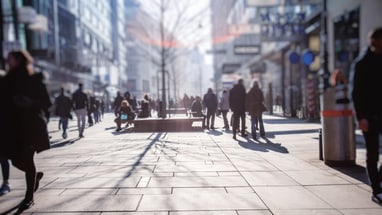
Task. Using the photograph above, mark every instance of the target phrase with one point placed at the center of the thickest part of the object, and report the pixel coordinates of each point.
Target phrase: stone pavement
(201, 172)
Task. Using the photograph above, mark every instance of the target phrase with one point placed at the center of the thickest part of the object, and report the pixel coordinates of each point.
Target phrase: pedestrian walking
(63, 106)
(224, 107)
(237, 104)
(255, 107)
(5, 186)
(80, 106)
(23, 120)
(366, 94)
(210, 101)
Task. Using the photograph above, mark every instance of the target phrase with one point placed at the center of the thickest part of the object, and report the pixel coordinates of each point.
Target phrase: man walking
(210, 101)
(367, 98)
(63, 106)
(224, 107)
(255, 108)
(237, 104)
(80, 106)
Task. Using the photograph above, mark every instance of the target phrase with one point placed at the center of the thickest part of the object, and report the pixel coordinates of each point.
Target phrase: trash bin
(338, 132)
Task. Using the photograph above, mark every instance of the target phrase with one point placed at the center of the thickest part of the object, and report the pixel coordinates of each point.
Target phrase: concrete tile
(93, 191)
(205, 190)
(372, 211)
(193, 168)
(228, 173)
(94, 183)
(70, 213)
(291, 163)
(270, 178)
(260, 165)
(144, 191)
(220, 181)
(201, 201)
(239, 190)
(91, 203)
(135, 213)
(307, 212)
(315, 177)
(203, 213)
(290, 197)
(254, 212)
(185, 174)
(344, 196)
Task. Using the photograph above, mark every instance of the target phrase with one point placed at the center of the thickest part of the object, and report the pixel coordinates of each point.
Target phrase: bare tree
(166, 30)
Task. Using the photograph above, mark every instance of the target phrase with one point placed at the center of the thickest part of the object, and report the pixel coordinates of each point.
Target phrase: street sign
(246, 49)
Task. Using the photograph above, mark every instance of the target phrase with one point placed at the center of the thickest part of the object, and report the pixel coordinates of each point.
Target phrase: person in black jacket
(80, 106)
(210, 101)
(237, 104)
(23, 120)
(367, 97)
(63, 106)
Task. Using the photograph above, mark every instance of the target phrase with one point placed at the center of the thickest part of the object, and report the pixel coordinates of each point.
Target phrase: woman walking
(23, 119)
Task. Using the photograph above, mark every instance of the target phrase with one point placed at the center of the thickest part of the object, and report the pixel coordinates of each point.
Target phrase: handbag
(124, 116)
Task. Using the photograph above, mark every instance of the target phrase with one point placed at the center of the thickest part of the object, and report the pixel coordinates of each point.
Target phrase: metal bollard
(321, 156)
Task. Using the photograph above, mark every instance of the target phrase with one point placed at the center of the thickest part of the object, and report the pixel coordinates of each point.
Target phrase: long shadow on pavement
(266, 146)
(56, 144)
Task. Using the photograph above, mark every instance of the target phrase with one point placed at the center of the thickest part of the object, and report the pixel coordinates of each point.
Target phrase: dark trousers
(237, 116)
(210, 117)
(224, 113)
(64, 122)
(257, 121)
(372, 156)
(25, 162)
(4, 168)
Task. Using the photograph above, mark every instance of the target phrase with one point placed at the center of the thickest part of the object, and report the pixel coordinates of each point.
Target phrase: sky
(199, 29)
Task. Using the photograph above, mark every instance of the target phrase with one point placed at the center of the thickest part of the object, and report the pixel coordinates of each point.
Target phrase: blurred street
(199, 172)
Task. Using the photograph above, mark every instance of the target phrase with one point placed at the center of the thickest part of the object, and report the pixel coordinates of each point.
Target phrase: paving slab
(203, 172)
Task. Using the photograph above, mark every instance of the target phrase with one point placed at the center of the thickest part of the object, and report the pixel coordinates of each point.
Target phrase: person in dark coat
(24, 122)
(255, 108)
(367, 78)
(63, 106)
(145, 107)
(117, 102)
(80, 104)
(197, 110)
(210, 101)
(237, 104)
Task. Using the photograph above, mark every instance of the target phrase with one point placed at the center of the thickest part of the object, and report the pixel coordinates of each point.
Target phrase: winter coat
(224, 102)
(63, 106)
(367, 87)
(145, 109)
(255, 102)
(197, 108)
(27, 102)
(237, 98)
(79, 100)
(210, 101)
